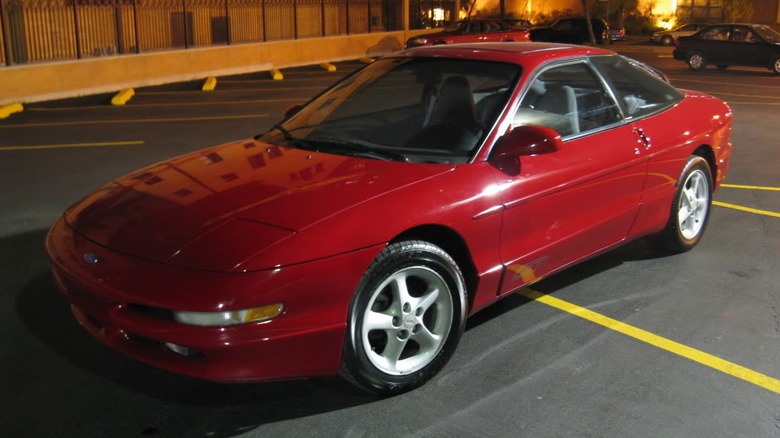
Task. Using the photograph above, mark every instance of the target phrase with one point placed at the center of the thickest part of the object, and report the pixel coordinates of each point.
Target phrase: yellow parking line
(738, 186)
(714, 362)
(150, 105)
(731, 102)
(108, 122)
(723, 83)
(720, 93)
(70, 145)
(747, 209)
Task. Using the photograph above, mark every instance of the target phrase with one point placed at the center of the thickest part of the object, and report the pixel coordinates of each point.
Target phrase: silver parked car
(669, 37)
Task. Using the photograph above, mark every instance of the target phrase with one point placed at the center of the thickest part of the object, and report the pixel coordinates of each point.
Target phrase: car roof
(528, 54)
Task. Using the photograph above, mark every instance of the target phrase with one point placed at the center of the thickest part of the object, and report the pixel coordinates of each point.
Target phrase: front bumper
(125, 302)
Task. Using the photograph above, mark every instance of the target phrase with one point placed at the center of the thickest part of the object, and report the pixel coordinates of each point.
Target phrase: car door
(564, 206)
(747, 48)
(715, 45)
(645, 99)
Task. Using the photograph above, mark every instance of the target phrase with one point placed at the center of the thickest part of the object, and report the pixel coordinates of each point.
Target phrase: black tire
(415, 296)
(667, 40)
(697, 61)
(690, 207)
(775, 65)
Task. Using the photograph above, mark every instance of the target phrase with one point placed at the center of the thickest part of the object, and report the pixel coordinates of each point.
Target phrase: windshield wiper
(356, 147)
(280, 128)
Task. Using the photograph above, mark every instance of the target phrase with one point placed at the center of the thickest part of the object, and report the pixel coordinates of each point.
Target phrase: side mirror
(524, 141)
(292, 110)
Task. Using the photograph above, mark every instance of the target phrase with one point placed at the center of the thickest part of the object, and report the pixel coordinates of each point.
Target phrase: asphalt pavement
(634, 343)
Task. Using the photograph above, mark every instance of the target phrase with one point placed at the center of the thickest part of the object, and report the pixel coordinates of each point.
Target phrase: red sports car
(358, 234)
(475, 30)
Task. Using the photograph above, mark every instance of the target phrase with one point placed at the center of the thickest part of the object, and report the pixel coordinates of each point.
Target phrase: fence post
(369, 16)
(5, 28)
(184, 22)
(295, 19)
(77, 28)
(120, 30)
(265, 36)
(137, 26)
(322, 16)
(227, 22)
(347, 4)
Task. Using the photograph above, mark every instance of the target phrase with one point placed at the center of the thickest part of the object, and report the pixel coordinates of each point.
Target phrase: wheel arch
(705, 151)
(453, 243)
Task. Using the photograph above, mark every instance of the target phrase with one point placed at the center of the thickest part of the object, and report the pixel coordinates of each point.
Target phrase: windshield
(410, 109)
(452, 27)
(767, 33)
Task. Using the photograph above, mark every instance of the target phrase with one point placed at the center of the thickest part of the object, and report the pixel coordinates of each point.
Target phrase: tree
(588, 23)
(738, 10)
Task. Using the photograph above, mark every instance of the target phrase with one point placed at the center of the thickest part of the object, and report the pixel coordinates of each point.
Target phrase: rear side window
(639, 91)
(717, 33)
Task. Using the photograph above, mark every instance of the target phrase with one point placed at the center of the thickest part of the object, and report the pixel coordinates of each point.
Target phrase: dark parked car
(572, 31)
(617, 33)
(517, 22)
(724, 45)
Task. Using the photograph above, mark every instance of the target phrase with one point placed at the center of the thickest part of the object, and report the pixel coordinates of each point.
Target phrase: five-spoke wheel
(691, 206)
(697, 61)
(405, 319)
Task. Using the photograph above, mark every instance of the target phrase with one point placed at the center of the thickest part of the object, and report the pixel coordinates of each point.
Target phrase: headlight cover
(232, 317)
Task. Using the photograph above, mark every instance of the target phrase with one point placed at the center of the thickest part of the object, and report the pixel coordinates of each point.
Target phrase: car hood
(247, 192)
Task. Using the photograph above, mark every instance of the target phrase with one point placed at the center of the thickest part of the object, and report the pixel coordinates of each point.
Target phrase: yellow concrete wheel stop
(123, 96)
(210, 84)
(7, 110)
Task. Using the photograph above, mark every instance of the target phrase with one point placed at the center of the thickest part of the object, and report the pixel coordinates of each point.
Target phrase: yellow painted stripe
(706, 359)
(70, 145)
(738, 84)
(276, 74)
(731, 102)
(109, 122)
(747, 209)
(737, 186)
(367, 60)
(231, 102)
(757, 96)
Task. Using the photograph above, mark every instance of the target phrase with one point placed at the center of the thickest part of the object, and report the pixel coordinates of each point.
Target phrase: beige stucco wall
(56, 80)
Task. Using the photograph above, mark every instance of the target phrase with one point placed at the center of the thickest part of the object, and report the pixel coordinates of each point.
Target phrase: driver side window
(569, 99)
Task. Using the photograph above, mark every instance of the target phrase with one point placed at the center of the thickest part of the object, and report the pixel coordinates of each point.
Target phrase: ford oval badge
(91, 258)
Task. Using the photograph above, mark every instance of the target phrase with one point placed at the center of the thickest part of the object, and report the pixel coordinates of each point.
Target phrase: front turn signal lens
(232, 317)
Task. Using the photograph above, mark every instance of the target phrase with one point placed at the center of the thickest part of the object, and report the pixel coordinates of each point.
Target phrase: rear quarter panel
(698, 124)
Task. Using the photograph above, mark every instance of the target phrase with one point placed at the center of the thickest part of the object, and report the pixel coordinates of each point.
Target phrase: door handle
(643, 138)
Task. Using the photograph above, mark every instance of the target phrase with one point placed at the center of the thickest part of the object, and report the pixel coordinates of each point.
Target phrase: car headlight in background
(233, 317)
(417, 41)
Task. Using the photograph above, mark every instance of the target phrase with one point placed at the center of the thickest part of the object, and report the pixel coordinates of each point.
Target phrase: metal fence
(47, 30)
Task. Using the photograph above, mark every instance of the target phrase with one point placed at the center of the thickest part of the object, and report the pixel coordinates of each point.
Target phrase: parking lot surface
(634, 343)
